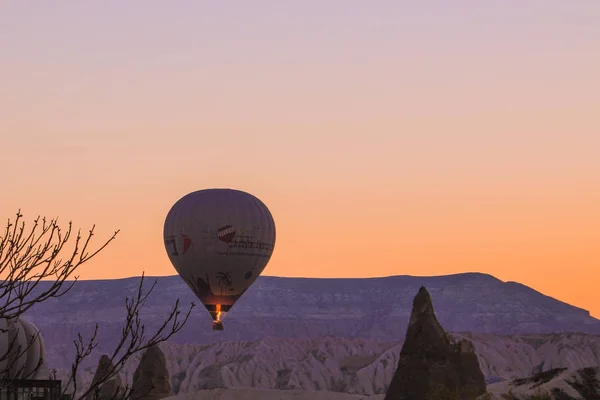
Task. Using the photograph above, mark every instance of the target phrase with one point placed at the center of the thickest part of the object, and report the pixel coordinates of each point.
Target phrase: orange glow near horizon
(389, 140)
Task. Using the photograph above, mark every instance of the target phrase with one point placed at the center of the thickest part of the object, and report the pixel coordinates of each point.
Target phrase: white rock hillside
(354, 366)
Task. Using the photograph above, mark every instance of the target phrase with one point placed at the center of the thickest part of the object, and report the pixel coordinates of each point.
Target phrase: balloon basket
(217, 326)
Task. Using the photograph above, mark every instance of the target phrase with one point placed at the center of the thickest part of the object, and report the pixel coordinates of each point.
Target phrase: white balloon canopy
(22, 350)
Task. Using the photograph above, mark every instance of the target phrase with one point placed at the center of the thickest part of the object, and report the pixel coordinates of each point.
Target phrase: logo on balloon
(171, 244)
(226, 233)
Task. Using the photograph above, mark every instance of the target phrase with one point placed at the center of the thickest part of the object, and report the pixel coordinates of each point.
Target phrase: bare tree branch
(26, 259)
(29, 257)
(132, 341)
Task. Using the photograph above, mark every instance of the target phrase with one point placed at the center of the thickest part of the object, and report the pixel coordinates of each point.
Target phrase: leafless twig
(29, 257)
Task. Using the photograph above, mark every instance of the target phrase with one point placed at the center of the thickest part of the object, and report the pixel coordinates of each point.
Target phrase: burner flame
(219, 313)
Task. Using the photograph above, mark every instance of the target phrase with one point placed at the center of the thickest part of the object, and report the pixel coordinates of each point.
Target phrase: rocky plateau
(337, 335)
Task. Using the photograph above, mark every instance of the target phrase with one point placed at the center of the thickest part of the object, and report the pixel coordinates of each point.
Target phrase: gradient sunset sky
(387, 138)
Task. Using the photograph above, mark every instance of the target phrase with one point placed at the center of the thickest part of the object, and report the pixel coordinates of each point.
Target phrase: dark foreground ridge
(431, 365)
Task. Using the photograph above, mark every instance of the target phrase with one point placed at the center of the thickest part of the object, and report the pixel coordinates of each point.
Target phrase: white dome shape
(21, 349)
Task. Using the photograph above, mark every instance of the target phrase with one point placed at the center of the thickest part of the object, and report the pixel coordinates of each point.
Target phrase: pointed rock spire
(111, 388)
(431, 365)
(151, 378)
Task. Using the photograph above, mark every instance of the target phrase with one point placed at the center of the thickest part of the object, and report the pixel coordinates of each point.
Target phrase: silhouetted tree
(30, 256)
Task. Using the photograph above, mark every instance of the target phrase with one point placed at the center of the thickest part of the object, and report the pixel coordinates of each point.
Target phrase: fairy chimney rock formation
(111, 388)
(151, 378)
(431, 364)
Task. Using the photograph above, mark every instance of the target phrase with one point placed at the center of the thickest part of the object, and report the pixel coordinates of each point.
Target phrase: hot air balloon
(219, 241)
(22, 350)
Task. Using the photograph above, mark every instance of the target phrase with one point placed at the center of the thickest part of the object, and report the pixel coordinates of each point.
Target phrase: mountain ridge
(286, 325)
(373, 308)
(330, 279)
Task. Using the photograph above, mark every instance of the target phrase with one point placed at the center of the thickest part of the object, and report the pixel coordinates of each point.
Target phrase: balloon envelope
(22, 350)
(219, 241)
